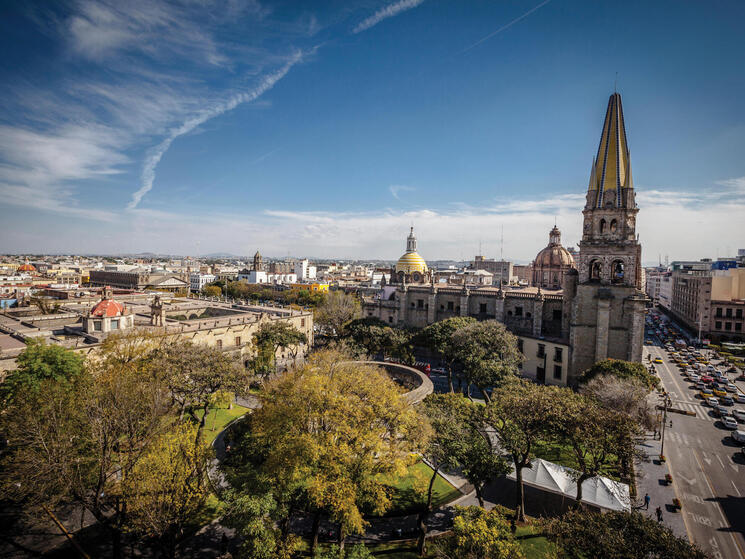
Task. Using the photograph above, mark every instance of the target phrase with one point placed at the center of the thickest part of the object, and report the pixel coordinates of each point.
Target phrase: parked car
(739, 398)
(738, 436)
(727, 401)
(657, 360)
(730, 387)
(713, 402)
(739, 415)
(720, 411)
(729, 422)
(718, 392)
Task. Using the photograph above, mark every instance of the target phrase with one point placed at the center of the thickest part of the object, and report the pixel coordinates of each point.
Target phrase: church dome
(27, 267)
(552, 263)
(411, 262)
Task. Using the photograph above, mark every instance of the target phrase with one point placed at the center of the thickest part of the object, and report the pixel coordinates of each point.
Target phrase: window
(728, 326)
(219, 344)
(237, 340)
(613, 226)
(738, 314)
(558, 354)
(450, 305)
(528, 315)
(557, 372)
(482, 308)
(541, 350)
(97, 325)
(442, 307)
(557, 314)
(518, 311)
(520, 345)
(738, 326)
(618, 271)
(420, 303)
(412, 304)
(302, 323)
(729, 313)
(719, 311)
(595, 270)
(602, 226)
(390, 319)
(115, 324)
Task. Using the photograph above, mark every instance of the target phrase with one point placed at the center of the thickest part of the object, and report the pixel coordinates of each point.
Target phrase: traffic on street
(703, 438)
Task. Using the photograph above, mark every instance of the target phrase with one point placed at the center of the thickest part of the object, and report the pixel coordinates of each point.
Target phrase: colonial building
(107, 315)
(552, 263)
(599, 313)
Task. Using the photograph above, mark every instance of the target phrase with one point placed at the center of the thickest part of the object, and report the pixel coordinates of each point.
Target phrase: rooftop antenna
(615, 84)
(480, 253)
(501, 245)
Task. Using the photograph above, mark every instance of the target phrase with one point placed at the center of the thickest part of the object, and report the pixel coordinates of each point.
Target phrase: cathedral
(577, 312)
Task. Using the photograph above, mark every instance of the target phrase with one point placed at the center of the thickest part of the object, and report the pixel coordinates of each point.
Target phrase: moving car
(729, 422)
(727, 400)
(706, 393)
(719, 392)
(657, 360)
(730, 387)
(720, 411)
(713, 402)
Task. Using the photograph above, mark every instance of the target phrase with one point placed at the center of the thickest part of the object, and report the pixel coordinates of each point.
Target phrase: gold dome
(411, 262)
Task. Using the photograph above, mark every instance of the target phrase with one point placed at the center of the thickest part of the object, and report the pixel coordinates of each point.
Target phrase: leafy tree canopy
(40, 362)
(479, 534)
(621, 369)
(618, 535)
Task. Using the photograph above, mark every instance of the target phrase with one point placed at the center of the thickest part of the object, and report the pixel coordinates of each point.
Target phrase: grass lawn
(218, 418)
(410, 490)
(563, 455)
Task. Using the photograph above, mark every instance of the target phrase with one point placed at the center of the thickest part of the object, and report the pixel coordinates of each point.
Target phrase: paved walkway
(650, 479)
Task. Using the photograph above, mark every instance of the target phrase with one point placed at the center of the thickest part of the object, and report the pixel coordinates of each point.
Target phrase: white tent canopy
(601, 492)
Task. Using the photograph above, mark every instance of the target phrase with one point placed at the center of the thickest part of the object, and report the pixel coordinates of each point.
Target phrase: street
(707, 467)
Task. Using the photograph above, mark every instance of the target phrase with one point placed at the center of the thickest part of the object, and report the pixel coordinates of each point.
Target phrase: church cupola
(411, 241)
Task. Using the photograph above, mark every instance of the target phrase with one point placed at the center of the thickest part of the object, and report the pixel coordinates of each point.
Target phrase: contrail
(384, 13)
(506, 26)
(156, 154)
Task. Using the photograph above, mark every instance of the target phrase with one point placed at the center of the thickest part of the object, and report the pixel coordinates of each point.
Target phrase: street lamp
(665, 403)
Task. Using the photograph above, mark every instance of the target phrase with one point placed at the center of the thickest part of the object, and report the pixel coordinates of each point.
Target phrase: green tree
(488, 354)
(40, 362)
(273, 336)
(523, 414)
(438, 337)
(598, 437)
(195, 373)
(212, 291)
(479, 534)
(625, 395)
(335, 311)
(459, 441)
(620, 369)
(618, 535)
(324, 439)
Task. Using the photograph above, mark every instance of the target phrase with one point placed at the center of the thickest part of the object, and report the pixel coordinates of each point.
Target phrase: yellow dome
(411, 262)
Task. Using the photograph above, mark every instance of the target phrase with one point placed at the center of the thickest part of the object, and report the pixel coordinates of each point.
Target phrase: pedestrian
(659, 514)
(646, 501)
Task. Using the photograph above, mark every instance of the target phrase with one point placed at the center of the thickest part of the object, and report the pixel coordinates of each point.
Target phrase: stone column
(538, 315)
(499, 307)
(432, 306)
(636, 332)
(464, 304)
(602, 329)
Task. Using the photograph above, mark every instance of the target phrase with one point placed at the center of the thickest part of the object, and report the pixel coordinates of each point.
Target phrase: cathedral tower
(609, 251)
(604, 298)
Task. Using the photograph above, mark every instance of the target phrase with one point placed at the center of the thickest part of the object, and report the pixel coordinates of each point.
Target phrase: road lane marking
(716, 504)
(720, 462)
(736, 489)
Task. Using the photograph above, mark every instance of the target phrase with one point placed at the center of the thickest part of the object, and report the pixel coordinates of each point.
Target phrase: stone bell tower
(605, 297)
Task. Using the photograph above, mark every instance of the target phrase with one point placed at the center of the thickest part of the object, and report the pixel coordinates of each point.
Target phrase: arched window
(613, 226)
(618, 271)
(595, 270)
(602, 226)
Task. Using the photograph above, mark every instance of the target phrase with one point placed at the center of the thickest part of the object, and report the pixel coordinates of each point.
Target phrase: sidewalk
(650, 478)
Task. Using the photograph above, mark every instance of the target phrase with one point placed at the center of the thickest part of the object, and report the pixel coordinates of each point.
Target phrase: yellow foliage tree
(168, 486)
(333, 431)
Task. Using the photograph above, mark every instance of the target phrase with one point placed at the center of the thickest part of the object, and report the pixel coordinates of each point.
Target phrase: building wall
(727, 321)
(545, 361)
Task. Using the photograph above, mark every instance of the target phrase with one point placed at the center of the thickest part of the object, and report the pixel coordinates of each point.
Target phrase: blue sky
(325, 129)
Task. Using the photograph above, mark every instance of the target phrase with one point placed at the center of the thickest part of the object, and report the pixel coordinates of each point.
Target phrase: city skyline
(327, 132)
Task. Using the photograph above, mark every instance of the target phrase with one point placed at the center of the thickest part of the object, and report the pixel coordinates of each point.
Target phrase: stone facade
(600, 311)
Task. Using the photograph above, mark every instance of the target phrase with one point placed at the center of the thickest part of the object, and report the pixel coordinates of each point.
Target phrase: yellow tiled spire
(611, 184)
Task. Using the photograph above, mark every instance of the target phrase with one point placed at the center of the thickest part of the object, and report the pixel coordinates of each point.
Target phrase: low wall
(418, 385)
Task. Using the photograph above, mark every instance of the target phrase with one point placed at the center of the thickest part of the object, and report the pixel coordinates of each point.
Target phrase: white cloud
(156, 154)
(386, 12)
